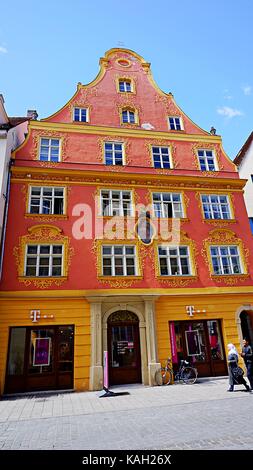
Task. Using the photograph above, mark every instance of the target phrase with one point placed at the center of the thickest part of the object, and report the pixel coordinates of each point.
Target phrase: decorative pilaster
(96, 367)
(153, 364)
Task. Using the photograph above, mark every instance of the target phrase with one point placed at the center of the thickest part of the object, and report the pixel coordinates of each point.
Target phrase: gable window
(81, 114)
(125, 86)
(119, 260)
(207, 160)
(128, 116)
(168, 205)
(113, 153)
(175, 123)
(49, 150)
(225, 259)
(161, 157)
(46, 200)
(174, 260)
(117, 203)
(44, 260)
(215, 207)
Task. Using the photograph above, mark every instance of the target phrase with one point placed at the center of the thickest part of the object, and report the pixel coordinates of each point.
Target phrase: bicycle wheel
(166, 376)
(158, 377)
(189, 375)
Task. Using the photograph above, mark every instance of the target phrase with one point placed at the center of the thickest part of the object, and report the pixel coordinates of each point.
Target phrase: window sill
(46, 216)
(220, 221)
(111, 278)
(172, 278)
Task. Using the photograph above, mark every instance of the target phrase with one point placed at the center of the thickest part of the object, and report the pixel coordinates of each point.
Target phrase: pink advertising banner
(173, 343)
(41, 356)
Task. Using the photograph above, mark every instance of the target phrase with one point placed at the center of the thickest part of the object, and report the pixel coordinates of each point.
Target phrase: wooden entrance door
(124, 349)
(40, 358)
(201, 343)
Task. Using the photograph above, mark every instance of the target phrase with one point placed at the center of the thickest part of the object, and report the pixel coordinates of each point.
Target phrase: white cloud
(247, 90)
(229, 112)
(3, 50)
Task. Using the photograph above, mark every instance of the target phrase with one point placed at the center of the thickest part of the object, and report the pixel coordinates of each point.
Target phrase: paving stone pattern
(200, 416)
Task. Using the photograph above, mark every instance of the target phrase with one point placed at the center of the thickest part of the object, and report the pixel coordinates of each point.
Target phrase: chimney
(32, 114)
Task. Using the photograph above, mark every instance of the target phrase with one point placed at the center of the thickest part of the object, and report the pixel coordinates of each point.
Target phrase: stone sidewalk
(201, 416)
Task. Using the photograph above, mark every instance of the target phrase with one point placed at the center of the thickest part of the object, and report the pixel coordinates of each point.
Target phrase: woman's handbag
(237, 372)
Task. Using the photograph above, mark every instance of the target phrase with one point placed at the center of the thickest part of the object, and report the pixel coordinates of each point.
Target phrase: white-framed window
(44, 260)
(216, 206)
(114, 153)
(175, 123)
(207, 160)
(168, 205)
(128, 116)
(46, 200)
(49, 150)
(116, 203)
(174, 260)
(81, 114)
(226, 259)
(161, 157)
(119, 260)
(125, 86)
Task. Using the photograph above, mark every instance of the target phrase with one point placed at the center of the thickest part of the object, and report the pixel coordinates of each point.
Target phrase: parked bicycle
(185, 373)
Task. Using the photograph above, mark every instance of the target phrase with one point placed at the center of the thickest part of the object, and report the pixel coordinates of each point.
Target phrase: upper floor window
(46, 200)
(168, 205)
(117, 203)
(125, 86)
(129, 116)
(49, 150)
(225, 259)
(207, 160)
(44, 260)
(216, 206)
(174, 260)
(161, 157)
(114, 153)
(119, 260)
(81, 114)
(175, 123)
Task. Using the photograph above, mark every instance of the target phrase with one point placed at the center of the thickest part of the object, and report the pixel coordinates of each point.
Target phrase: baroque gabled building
(127, 233)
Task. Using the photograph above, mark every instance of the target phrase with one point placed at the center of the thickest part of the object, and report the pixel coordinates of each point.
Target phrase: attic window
(124, 62)
(175, 123)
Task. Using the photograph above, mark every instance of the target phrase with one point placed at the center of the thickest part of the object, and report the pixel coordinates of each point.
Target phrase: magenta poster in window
(41, 356)
(173, 343)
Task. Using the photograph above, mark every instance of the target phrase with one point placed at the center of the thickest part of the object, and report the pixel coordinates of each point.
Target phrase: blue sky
(201, 51)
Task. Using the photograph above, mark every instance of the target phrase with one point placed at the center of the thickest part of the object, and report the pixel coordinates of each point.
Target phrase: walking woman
(235, 378)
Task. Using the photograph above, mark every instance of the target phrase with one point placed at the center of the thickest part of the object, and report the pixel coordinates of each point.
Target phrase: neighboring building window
(168, 205)
(215, 207)
(161, 157)
(174, 260)
(116, 203)
(119, 260)
(81, 114)
(251, 223)
(49, 150)
(125, 86)
(128, 116)
(46, 200)
(175, 123)
(207, 160)
(113, 153)
(225, 260)
(44, 260)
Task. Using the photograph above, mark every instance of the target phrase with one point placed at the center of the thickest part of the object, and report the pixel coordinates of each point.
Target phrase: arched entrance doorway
(246, 318)
(124, 348)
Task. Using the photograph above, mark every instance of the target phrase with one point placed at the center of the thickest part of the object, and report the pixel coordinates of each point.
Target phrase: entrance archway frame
(101, 308)
(242, 308)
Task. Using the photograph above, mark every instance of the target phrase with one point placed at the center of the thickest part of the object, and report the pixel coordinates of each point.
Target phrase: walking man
(247, 355)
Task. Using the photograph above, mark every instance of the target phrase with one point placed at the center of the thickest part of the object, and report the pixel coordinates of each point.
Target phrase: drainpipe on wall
(6, 207)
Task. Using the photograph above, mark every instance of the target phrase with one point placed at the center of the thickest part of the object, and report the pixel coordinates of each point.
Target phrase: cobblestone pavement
(201, 416)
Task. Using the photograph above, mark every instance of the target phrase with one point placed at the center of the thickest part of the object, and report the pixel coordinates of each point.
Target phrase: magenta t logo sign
(35, 315)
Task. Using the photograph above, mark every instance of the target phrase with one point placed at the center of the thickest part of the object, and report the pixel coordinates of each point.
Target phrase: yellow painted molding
(82, 294)
(196, 181)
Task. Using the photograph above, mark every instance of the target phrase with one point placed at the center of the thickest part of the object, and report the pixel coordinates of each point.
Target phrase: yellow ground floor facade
(57, 340)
